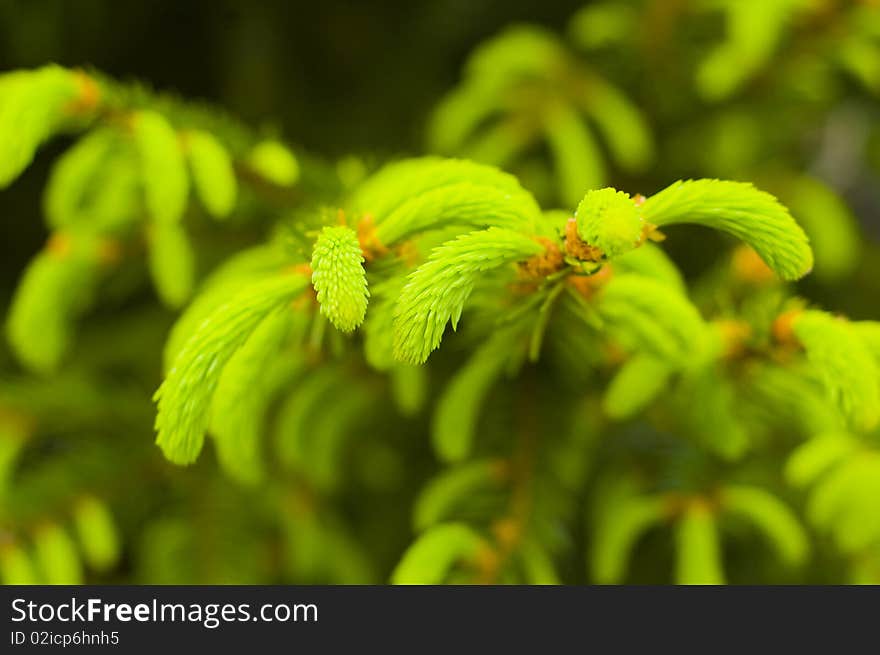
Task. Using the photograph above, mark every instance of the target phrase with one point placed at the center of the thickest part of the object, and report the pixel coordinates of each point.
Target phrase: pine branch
(742, 210)
(609, 220)
(844, 363)
(184, 399)
(339, 277)
(437, 291)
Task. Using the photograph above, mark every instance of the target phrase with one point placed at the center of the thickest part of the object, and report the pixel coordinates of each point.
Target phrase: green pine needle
(163, 167)
(437, 291)
(817, 456)
(621, 524)
(649, 316)
(772, 517)
(389, 191)
(172, 262)
(844, 363)
(58, 286)
(457, 414)
(73, 175)
(465, 204)
(184, 399)
(638, 382)
(698, 553)
(213, 173)
(576, 154)
(339, 278)
(430, 558)
(16, 566)
(32, 105)
(609, 220)
(97, 533)
(739, 209)
(274, 162)
(245, 390)
(454, 487)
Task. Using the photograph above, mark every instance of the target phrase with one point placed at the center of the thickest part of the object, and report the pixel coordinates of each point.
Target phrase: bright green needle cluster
(244, 393)
(97, 533)
(339, 278)
(452, 487)
(525, 91)
(245, 268)
(400, 181)
(92, 184)
(163, 167)
(817, 456)
(843, 475)
(845, 364)
(455, 420)
(645, 315)
(637, 383)
(609, 220)
(33, 106)
(274, 162)
(464, 203)
(417, 195)
(651, 261)
(16, 567)
(212, 172)
(739, 209)
(753, 29)
(172, 263)
(624, 516)
(58, 286)
(869, 333)
(435, 294)
(772, 518)
(56, 556)
(698, 547)
(618, 528)
(184, 399)
(576, 153)
(430, 559)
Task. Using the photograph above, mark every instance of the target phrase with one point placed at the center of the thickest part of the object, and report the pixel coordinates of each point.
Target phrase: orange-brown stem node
(577, 247)
(302, 268)
(370, 244)
(588, 285)
(747, 266)
(783, 327)
(548, 262)
(88, 95)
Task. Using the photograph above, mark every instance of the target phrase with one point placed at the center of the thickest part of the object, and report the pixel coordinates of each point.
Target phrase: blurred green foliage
(518, 356)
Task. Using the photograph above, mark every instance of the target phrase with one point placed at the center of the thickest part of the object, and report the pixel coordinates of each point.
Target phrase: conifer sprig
(339, 278)
(184, 399)
(740, 209)
(844, 363)
(644, 315)
(435, 294)
(609, 220)
(163, 167)
(33, 106)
